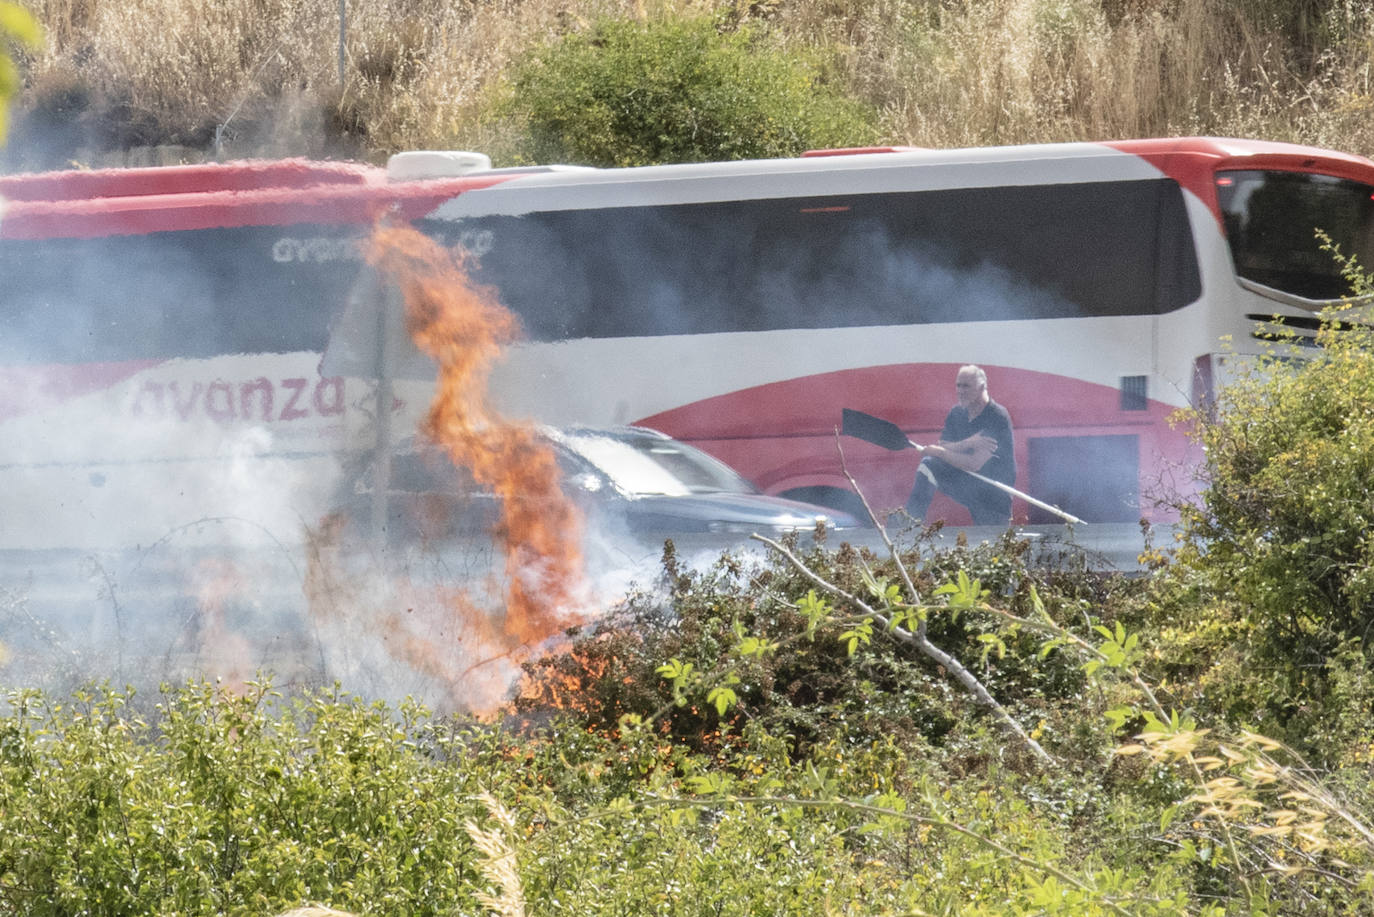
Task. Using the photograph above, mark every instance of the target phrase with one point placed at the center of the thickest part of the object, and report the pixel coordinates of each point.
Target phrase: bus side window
(952, 255)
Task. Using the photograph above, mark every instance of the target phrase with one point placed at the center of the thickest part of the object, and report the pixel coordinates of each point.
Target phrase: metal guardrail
(140, 617)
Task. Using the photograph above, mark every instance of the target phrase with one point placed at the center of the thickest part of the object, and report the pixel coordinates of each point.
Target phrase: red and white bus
(160, 336)
(205, 334)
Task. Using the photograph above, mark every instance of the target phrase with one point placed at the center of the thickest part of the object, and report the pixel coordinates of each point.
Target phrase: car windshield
(646, 465)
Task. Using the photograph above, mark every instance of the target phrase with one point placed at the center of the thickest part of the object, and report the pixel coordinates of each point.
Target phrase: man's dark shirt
(993, 421)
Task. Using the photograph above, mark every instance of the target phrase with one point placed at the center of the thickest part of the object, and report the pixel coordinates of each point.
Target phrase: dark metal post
(343, 37)
(381, 469)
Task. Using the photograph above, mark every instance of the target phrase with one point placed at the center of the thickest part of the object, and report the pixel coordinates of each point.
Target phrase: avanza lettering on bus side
(298, 397)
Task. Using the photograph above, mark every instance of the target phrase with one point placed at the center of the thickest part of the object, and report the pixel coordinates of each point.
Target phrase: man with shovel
(977, 438)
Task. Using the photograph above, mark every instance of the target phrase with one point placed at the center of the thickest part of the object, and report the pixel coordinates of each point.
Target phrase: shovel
(889, 436)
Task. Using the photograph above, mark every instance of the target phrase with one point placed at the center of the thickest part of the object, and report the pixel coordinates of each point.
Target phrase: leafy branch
(906, 623)
(896, 812)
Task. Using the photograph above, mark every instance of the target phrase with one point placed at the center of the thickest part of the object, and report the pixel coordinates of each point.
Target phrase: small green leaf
(1117, 717)
(710, 784)
(723, 698)
(674, 669)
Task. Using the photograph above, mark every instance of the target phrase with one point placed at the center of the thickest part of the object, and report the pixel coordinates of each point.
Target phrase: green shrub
(218, 804)
(17, 27)
(1278, 551)
(815, 691)
(1285, 522)
(626, 93)
(211, 803)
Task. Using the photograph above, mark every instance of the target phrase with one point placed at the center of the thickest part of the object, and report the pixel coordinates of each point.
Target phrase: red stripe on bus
(1193, 161)
(28, 389)
(253, 175)
(782, 435)
(275, 206)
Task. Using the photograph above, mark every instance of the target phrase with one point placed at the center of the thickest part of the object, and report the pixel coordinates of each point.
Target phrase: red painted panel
(30, 388)
(145, 211)
(782, 435)
(859, 151)
(1192, 161)
(247, 175)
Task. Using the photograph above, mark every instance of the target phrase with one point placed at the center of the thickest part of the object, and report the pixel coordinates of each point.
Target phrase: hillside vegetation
(262, 77)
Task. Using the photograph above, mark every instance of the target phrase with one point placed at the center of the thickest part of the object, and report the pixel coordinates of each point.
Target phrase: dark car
(628, 481)
(665, 486)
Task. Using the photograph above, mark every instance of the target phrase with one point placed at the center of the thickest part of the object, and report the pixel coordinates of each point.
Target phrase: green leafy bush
(224, 804)
(815, 690)
(217, 804)
(1285, 523)
(1275, 585)
(818, 789)
(625, 93)
(17, 26)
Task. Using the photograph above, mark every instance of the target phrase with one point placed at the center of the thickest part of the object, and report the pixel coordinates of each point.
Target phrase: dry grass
(1015, 71)
(498, 860)
(261, 75)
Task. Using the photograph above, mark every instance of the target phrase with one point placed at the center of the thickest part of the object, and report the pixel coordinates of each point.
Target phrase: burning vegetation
(469, 640)
(458, 638)
(464, 328)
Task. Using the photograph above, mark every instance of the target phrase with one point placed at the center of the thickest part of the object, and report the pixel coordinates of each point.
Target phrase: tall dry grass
(1016, 71)
(261, 75)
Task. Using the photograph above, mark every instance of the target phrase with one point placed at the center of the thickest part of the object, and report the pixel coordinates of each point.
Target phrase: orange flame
(564, 683)
(226, 654)
(464, 329)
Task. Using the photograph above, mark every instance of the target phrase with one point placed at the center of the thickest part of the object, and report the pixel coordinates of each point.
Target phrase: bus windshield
(1272, 220)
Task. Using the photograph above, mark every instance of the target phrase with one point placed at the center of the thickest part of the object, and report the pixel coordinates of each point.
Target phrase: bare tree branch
(918, 639)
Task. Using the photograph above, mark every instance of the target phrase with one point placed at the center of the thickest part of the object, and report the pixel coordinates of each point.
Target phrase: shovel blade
(874, 430)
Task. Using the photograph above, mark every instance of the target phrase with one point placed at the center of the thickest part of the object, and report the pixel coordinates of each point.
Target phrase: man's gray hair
(978, 373)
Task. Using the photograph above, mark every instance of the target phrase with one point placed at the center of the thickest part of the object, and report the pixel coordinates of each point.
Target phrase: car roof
(622, 432)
